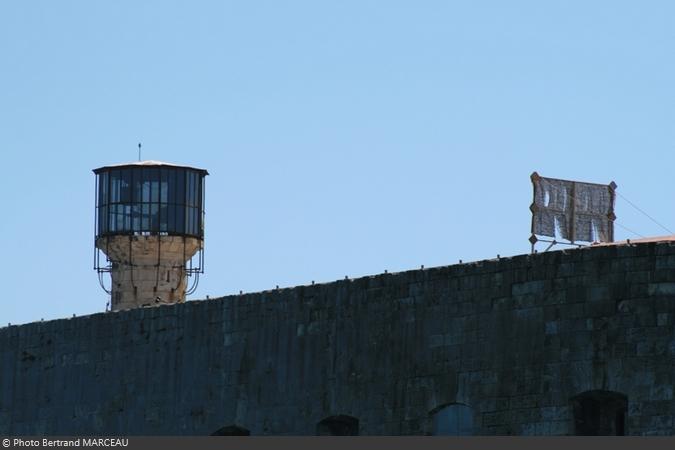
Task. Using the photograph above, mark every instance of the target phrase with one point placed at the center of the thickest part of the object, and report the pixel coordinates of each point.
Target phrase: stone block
(551, 327)
(598, 293)
(560, 428)
(529, 287)
(662, 391)
(663, 319)
(495, 418)
(436, 340)
(661, 289)
(555, 413)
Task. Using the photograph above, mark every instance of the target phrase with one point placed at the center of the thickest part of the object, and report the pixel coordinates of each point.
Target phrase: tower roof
(147, 163)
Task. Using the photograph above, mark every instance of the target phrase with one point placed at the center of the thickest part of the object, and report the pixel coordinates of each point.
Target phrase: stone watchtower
(150, 226)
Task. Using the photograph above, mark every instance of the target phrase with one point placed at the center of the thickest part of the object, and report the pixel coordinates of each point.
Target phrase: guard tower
(150, 227)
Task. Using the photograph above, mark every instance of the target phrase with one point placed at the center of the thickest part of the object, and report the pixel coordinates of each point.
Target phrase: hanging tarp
(572, 210)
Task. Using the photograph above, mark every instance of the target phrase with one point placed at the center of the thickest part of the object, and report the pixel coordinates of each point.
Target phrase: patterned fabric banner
(573, 210)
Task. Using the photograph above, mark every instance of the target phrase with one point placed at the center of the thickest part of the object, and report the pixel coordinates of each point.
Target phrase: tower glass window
(150, 199)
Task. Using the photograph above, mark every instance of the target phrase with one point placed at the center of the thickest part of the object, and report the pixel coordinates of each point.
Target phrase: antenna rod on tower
(139, 151)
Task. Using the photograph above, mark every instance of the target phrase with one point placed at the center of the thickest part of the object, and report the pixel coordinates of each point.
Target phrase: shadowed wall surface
(516, 340)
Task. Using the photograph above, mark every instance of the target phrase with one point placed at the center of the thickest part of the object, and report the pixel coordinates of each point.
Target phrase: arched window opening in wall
(600, 413)
(231, 430)
(338, 426)
(455, 419)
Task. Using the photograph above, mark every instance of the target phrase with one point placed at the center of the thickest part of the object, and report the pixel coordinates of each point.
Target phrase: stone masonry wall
(513, 338)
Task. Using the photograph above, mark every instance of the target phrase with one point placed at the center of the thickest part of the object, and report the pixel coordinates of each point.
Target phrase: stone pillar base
(147, 270)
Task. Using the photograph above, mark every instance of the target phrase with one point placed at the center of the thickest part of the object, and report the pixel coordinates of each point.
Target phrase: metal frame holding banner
(575, 212)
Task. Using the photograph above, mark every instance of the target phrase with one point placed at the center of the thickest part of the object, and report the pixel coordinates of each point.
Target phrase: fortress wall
(513, 338)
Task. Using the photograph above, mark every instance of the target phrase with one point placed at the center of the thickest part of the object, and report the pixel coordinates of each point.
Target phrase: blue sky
(342, 138)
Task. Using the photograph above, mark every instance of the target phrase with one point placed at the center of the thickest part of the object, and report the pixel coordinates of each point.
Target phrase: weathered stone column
(147, 270)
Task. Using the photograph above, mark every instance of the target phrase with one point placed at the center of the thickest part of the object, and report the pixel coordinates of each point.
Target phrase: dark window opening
(338, 426)
(149, 200)
(455, 419)
(231, 430)
(600, 413)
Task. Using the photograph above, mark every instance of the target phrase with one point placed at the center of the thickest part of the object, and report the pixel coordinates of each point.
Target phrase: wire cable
(629, 230)
(650, 217)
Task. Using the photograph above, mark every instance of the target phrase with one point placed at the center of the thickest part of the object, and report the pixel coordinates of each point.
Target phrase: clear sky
(342, 138)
